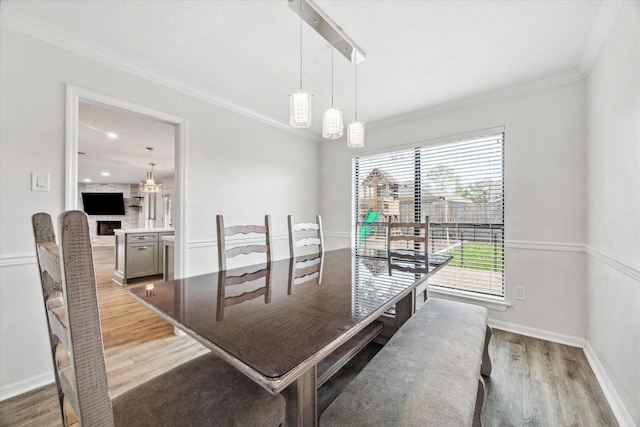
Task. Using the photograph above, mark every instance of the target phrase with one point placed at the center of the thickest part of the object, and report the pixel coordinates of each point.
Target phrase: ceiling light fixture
(355, 130)
(112, 135)
(150, 185)
(300, 99)
(329, 30)
(332, 125)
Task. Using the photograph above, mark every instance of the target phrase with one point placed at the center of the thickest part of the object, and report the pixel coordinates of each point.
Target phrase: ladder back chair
(299, 235)
(224, 232)
(204, 391)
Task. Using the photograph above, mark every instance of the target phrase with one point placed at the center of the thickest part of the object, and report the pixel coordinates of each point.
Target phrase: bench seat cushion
(426, 375)
(211, 392)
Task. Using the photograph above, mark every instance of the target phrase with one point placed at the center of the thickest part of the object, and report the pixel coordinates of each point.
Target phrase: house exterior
(571, 144)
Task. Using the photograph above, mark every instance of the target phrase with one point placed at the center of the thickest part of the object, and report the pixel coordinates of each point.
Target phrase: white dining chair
(225, 232)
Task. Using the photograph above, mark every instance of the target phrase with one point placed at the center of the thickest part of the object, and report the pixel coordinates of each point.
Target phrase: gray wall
(574, 147)
(236, 166)
(544, 166)
(572, 205)
(613, 208)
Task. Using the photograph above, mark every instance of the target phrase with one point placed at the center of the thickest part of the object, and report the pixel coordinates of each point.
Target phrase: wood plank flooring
(534, 382)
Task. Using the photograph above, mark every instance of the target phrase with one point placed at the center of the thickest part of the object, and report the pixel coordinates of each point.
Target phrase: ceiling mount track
(329, 30)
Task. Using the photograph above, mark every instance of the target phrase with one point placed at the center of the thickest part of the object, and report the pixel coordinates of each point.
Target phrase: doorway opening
(128, 167)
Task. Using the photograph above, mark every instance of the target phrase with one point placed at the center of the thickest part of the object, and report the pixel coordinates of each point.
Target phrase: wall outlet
(520, 294)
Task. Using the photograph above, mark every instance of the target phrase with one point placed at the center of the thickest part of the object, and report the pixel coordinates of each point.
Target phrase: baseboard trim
(538, 333)
(619, 410)
(622, 415)
(12, 390)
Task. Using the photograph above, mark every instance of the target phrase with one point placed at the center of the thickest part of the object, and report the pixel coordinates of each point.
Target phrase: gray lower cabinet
(138, 254)
(142, 259)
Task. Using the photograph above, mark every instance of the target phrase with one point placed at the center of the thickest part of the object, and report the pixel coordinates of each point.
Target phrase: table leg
(302, 400)
(405, 308)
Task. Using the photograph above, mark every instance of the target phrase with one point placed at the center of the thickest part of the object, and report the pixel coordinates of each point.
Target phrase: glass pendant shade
(355, 135)
(300, 109)
(150, 185)
(332, 125)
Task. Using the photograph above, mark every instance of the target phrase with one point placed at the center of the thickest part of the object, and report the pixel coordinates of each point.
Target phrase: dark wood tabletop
(273, 329)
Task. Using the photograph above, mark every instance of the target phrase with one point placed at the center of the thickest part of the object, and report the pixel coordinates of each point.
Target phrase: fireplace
(105, 228)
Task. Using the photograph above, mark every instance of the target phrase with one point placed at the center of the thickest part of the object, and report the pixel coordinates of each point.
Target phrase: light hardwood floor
(533, 383)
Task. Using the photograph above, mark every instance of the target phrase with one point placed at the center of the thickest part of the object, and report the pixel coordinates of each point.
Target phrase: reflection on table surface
(295, 318)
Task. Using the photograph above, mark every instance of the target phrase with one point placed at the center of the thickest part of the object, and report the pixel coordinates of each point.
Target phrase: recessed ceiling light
(112, 135)
(87, 180)
(105, 173)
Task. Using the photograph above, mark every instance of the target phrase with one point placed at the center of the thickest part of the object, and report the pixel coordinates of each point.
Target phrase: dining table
(290, 324)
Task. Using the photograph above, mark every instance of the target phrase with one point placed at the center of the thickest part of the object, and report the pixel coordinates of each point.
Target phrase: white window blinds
(460, 186)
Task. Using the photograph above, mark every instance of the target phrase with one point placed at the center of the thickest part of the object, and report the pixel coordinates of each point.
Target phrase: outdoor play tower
(378, 202)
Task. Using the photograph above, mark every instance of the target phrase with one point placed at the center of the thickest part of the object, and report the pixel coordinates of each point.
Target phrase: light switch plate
(40, 182)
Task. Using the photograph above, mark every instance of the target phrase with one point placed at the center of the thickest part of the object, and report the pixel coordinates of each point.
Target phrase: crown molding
(479, 99)
(599, 30)
(65, 41)
(602, 23)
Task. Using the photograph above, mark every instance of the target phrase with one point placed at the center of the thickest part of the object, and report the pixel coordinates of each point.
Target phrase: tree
(443, 177)
(477, 192)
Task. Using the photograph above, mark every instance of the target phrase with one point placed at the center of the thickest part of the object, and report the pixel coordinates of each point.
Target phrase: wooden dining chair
(203, 391)
(305, 234)
(408, 247)
(224, 232)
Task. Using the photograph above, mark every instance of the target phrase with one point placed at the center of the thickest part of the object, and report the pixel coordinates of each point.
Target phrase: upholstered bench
(428, 374)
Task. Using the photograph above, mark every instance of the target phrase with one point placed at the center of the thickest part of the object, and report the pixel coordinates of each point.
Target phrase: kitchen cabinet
(139, 253)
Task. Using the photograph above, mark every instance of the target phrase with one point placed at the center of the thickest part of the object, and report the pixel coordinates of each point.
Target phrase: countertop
(142, 230)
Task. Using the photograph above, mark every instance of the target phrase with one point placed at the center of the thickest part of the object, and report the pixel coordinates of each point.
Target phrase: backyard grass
(478, 256)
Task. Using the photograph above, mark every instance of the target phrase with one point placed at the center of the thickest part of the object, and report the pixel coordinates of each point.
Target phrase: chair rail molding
(17, 260)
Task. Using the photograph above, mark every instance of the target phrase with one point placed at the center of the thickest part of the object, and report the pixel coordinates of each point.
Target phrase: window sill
(492, 303)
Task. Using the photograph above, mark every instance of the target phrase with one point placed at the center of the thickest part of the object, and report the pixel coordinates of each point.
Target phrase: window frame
(497, 134)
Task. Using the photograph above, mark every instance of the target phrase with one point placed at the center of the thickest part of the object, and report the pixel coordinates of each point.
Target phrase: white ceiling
(245, 54)
(126, 158)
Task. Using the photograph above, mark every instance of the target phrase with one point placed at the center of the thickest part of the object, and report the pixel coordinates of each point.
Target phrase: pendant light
(332, 126)
(150, 185)
(299, 99)
(355, 130)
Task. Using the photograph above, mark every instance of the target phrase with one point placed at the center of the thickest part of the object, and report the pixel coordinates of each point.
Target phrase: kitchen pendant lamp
(332, 125)
(300, 99)
(355, 130)
(150, 185)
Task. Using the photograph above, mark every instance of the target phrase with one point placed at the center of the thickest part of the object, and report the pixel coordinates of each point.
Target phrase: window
(460, 186)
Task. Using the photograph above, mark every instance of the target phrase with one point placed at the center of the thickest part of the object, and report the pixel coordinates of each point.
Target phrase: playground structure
(378, 203)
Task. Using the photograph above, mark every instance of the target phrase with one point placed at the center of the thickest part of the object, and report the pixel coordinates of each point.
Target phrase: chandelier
(355, 130)
(150, 185)
(300, 100)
